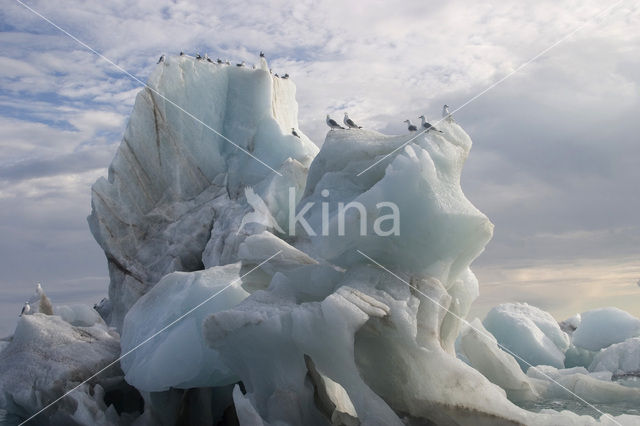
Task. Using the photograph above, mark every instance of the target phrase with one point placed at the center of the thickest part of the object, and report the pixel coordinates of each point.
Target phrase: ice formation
(621, 359)
(593, 388)
(175, 187)
(603, 327)
(481, 349)
(319, 334)
(46, 357)
(174, 295)
(530, 332)
(542, 382)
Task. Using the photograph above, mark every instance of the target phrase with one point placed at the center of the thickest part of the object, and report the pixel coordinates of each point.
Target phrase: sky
(556, 146)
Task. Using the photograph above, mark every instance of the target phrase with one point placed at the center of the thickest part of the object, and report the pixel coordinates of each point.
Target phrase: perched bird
(261, 54)
(446, 114)
(332, 123)
(411, 126)
(276, 74)
(285, 76)
(209, 60)
(219, 60)
(227, 62)
(198, 56)
(25, 309)
(161, 59)
(349, 122)
(294, 133)
(427, 125)
(241, 64)
(181, 53)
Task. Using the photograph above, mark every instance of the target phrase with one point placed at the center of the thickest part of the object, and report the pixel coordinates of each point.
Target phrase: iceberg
(78, 315)
(180, 344)
(47, 356)
(603, 327)
(175, 186)
(530, 332)
(258, 280)
(481, 349)
(620, 359)
(592, 388)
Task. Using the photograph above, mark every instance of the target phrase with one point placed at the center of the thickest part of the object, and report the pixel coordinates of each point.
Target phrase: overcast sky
(556, 146)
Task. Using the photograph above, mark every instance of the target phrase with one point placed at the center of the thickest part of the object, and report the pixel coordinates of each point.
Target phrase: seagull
(161, 59)
(428, 126)
(198, 56)
(332, 123)
(277, 75)
(209, 60)
(446, 114)
(294, 133)
(285, 76)
(181, 53)
(241, 64)
(411, 126)
(219, 60)
(261, 54)
(227, 62)
(25, 309)
(349, 122)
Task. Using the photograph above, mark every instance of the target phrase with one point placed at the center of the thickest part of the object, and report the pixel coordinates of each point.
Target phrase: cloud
(76, 162)
(577, 285)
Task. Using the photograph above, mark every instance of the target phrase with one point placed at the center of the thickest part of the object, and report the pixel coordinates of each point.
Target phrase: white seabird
(446, 114)
(427, 125)
(25, 309)
(349, 122)
(411, 126)
(294, 133)
(161, 58)
(333, 123)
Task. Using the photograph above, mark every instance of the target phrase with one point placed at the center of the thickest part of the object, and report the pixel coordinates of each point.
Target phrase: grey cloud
(76, 162)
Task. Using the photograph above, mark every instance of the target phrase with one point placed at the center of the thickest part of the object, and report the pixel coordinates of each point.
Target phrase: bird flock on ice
(333, 124)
